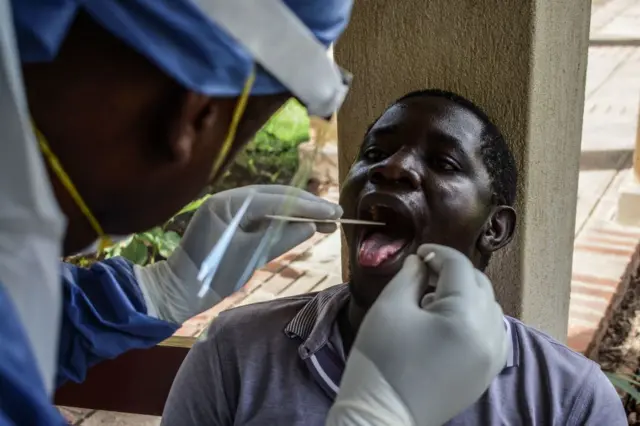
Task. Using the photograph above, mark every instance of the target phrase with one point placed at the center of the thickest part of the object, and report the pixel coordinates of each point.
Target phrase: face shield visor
(31, 223)
(291, 54)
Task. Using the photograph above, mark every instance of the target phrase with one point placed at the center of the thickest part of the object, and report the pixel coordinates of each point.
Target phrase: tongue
(377, 247)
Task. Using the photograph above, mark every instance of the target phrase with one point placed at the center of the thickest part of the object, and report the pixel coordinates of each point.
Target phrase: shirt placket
(326, 368)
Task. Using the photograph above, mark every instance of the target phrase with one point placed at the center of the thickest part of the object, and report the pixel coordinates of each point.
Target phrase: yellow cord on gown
(64, 178)
(235, 122)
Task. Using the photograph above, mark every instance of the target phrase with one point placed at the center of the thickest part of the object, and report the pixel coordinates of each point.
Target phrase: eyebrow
(384, 129)
(441, 139)
(437, 135)
(445, 138)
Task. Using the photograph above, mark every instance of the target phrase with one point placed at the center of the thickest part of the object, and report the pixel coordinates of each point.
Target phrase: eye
(444, 164)
(374, 154)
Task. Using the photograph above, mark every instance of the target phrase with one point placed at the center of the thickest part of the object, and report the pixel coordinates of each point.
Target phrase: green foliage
(290, 125)
(626, 383)
(192, 206)
(271, 157)
(144, 247)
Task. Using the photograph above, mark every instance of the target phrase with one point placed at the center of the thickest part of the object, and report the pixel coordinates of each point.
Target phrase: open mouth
(384, 247)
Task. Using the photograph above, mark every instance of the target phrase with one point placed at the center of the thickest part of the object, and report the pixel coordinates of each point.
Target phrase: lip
(395, 203)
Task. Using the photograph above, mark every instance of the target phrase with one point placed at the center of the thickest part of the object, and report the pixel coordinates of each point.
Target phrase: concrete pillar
(636, 152)
(322, 158)
(524, 62)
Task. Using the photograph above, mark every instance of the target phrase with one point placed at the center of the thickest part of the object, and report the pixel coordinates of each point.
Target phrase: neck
(349, 322)
(79, 234)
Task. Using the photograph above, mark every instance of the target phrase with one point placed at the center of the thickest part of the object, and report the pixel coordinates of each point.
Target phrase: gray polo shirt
(280, 362)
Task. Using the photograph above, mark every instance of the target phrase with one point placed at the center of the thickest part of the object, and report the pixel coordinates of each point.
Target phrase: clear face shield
(288, 50)
(31, 223)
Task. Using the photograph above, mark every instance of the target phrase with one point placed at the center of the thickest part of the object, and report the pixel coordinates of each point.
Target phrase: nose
(395, 171)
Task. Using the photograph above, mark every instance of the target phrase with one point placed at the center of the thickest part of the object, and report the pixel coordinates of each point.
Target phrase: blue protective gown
(104, 315)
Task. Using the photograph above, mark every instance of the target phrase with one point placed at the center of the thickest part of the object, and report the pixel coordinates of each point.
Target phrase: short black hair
(495, 152)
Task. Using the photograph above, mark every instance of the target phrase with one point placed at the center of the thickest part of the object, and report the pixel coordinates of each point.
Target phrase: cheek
(351, 187)
(456, 218)
(461, 200)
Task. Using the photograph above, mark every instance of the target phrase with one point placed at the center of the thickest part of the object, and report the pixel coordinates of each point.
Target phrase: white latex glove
(171, 288)
(423, 366)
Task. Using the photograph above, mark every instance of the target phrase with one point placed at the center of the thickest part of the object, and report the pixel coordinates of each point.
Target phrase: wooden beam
(136, 382)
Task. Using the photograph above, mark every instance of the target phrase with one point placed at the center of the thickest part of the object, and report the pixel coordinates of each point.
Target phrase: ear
(196, 115)
(498, 231)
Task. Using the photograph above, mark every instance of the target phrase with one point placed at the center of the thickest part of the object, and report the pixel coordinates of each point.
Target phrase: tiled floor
(602, 248)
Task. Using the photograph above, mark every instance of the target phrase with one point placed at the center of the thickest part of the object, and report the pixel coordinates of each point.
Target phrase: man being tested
(436, 170)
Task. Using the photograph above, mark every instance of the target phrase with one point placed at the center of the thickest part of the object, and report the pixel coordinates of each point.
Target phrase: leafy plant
(272, 156)
(626, 383)
(143, 248)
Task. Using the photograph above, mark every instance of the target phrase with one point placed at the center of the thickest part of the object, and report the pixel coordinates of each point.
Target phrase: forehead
(432, 116)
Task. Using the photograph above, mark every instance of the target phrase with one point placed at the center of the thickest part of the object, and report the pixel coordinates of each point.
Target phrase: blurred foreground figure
(115, 114)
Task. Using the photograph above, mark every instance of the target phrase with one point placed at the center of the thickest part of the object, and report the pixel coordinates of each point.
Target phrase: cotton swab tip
(428, 258)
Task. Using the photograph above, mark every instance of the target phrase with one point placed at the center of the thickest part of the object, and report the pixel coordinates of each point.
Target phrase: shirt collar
(513, 350)
(313, 324)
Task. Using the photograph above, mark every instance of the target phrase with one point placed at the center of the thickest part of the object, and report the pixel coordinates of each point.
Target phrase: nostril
(376, 177)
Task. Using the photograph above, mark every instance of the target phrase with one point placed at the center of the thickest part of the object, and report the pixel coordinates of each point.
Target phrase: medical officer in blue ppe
(113, 116)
